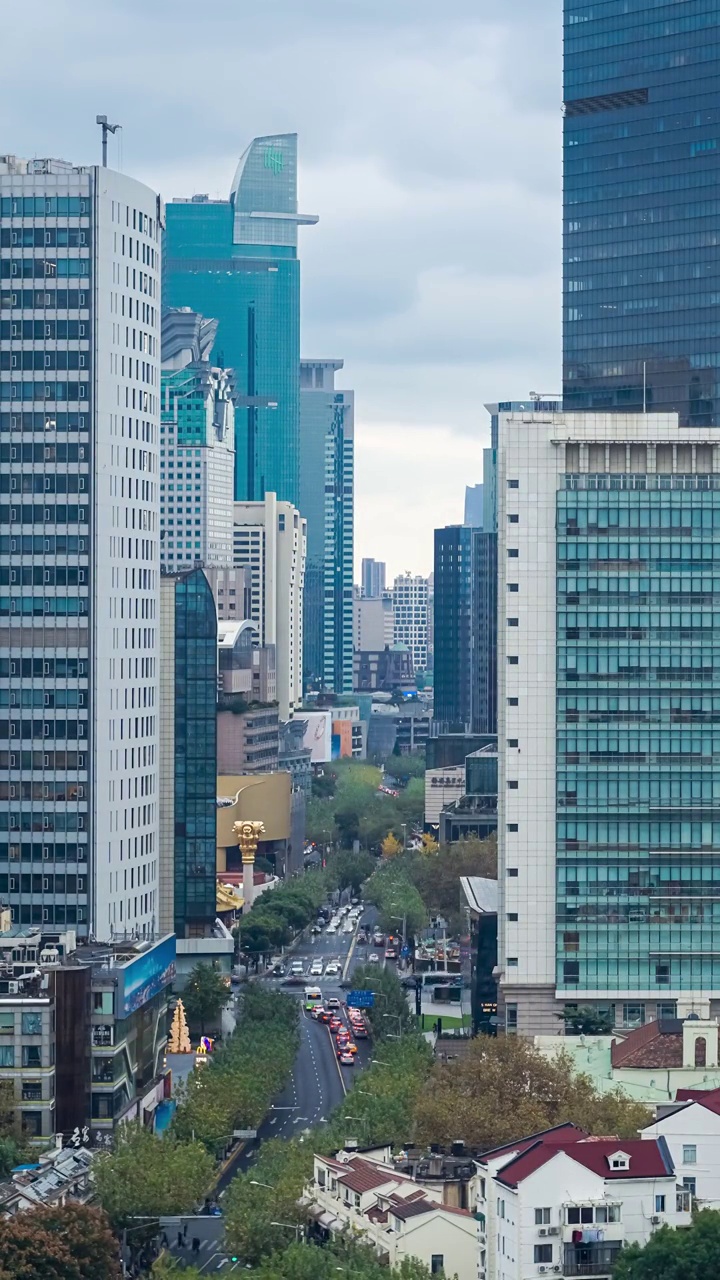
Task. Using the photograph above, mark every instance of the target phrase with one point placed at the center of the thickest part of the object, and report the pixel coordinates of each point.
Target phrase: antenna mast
(106, 129)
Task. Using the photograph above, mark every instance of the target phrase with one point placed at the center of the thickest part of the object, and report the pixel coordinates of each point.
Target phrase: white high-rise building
(197, 446)
(410, 616)
(608, 835)
(271, 538)
(79, 547)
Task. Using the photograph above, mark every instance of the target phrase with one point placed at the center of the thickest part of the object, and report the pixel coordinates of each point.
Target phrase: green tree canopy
(206, 994)
(61, 1242)
(692, 1253)
(146, 1175)
(504, 1088)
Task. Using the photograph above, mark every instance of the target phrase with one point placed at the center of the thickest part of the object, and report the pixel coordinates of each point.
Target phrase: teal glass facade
(236, 260)
(195, 881)
(641, 170)
(638, 733)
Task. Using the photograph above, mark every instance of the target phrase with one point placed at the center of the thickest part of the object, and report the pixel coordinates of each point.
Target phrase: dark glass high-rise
(642, 163)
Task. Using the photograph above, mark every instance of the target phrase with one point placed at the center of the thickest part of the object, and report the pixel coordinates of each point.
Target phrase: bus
(313, 997)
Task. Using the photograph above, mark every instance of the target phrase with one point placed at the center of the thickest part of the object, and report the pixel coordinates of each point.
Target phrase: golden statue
(248, 835)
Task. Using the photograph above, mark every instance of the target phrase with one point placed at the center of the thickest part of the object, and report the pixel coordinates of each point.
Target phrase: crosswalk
(210, 1260)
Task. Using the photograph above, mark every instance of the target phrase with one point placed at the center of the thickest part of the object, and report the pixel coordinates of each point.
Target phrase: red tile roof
(361, 1175)
(654, 1045)
(648, 1159)
(709, 1098)
(560, 1133)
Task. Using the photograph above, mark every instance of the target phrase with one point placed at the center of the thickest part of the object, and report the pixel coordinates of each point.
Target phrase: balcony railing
(590, 1260)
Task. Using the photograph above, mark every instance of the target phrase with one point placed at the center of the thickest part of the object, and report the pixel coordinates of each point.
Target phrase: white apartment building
(399, 1216)
(561, 1203)
(691, 1129)
(607, 533)
(410, 616)
(270, 537)
(197, 446)
(79, 546)
(373, 623)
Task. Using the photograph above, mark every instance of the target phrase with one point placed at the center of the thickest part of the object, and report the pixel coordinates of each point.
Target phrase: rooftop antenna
(106, 129)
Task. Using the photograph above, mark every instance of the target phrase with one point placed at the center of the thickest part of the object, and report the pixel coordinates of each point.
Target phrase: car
(326, 1016)
(335, 1024)
(317, 1012)
(332, 928)
(373, 958)
(346, 1059)
(355, 901)
(315, 930)
(333, 1003)
(342, 1037)
(360, 1031)
(332, 969)
(351, 1047)
(378, 938)
(316, 969)
(390, 954)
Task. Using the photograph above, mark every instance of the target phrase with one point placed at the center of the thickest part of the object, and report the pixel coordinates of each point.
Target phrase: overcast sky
(429, 138)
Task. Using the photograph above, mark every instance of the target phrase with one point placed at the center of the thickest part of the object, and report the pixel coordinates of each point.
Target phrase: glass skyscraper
(642, 165)
(237, 260)
(455, 628)
(327, 465)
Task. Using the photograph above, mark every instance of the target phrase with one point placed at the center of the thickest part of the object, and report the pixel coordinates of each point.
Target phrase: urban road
(317, 1085)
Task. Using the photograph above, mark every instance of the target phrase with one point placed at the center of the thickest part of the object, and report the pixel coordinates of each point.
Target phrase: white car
(332, 928)
(332, 969)
(297, 967)
(373, 958)
(316, 969)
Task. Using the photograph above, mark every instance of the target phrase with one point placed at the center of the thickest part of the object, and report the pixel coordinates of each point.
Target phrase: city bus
(313, 997)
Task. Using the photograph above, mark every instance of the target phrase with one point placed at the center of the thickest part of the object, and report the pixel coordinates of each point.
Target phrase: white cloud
(430, 146)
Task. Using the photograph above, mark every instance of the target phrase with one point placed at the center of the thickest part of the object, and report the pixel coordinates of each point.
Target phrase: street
(317, 1085)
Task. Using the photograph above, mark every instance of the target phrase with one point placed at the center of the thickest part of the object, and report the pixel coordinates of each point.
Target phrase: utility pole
(106, 129)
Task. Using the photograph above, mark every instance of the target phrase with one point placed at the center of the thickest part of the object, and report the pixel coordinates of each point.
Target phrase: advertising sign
(145, 977)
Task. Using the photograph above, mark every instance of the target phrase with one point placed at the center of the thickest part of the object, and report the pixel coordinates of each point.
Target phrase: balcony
(590, 1259)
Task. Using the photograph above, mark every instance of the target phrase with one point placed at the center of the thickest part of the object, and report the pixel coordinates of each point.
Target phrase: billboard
(318, 735)
(145, 977)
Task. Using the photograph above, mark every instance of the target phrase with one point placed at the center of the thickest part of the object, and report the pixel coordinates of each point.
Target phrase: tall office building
(455, 629)
(642, 164)
(373, 626)
(410, 617)
(271, 539)
(237, 260)
(372, 578)
(79, 547)
(197, 446)
(188, 754)
(473, 515)
(327, 470)
(608, 697)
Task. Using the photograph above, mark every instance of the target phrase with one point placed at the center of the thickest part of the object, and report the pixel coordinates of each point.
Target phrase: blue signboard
(361, 999)
(143, 978)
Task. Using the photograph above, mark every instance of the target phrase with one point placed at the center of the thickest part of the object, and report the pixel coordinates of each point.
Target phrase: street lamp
(254, 1183)
(291, 1226)
(375, 1062)
(404, 831)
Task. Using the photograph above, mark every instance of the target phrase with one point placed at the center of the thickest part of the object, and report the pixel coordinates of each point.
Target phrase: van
(297, 967)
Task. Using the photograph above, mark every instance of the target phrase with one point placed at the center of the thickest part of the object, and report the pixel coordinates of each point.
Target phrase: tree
(168, 1268)
(350, 870)
(690, 1254)
(179, 1038)
(504, 1089)
(147, 1175)
(391, 846)
(587, 1021)
(61, 1242)
(429, 843)
(206, 994)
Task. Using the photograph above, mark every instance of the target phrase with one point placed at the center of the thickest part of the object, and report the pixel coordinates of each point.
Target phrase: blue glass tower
(237, 260)
(455, 628)
(642, 165)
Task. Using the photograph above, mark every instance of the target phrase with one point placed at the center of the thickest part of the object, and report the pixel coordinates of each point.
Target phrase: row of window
(634, 835)
(36, 360)
(39, 606)
(37, 576)
(46, 390)
(43, 482)
(27, 544)
(43, 268)
(45, 299)
(30, 1055)
(43, 884)
(36, 513)
(637, 554)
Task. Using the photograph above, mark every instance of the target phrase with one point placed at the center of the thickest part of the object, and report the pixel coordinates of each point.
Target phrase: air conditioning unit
(542, 1270)
(554, 1231)
(542, 1231)
(656, 1219)
(557, 1268)
(13, 988)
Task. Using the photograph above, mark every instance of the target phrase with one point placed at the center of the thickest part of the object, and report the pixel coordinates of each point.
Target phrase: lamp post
(291, 1226)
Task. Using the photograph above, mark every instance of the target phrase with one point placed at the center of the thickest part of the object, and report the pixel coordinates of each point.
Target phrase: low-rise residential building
(652, 1061)
(61, 1176)
(400, 1217)
(691, 1128)
(563, 1203)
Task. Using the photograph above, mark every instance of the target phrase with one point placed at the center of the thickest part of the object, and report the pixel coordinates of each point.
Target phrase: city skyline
(460, 220)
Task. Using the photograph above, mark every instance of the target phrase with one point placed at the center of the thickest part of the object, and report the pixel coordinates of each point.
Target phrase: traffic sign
(361, 999)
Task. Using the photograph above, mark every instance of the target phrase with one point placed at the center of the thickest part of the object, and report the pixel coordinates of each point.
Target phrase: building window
(512, 915)
(690, 1184)
(542, 1253)
(31, 1123)
(437, 1262)
(571, 972)
(513, 484)
(513, 826)
(689, 1153)
(32, 1024)
(511, 1018)
(7, 1024)
(102, 1002)
(7, 1055)
(633, 1015)
(659, 1204)
(31, 1055)
(512, 871)
(542, 1217)
(666, 1010)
